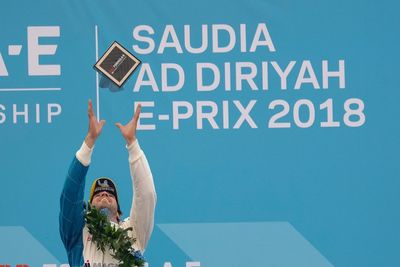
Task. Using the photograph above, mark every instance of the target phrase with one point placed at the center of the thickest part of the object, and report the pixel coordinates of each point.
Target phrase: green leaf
(107, 236)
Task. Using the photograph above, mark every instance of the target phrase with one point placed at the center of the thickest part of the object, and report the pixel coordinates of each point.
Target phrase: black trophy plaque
(117, 64)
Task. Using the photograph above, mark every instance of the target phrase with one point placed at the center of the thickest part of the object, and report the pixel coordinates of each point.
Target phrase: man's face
(104, 199)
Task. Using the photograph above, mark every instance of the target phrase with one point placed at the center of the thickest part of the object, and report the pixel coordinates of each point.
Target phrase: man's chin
(100, 206)
(103, 205)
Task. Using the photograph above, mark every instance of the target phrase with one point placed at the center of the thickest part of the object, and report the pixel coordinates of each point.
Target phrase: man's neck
(114, 219)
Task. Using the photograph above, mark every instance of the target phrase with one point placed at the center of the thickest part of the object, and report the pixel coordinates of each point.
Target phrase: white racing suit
(74, 234)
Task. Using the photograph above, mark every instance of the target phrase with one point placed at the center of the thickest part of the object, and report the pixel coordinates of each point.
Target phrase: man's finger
(90, 108)
(137, 113)
(119, 125)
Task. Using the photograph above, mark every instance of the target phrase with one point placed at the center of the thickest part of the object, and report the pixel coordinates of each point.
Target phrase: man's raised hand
(95, 127)
(128, 130)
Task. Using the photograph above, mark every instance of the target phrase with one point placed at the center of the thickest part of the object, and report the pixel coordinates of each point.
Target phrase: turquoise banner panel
(271, 127)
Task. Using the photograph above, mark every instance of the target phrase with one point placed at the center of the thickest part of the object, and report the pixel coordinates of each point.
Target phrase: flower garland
(107, 236)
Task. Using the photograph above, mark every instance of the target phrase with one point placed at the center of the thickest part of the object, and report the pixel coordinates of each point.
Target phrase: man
(74, 233)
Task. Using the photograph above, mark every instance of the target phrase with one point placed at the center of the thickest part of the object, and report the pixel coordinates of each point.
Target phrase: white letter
(265, 76)
(3, 68)
(37, 113)
(232, 38)
(326, 74)
(243, 39)
(35, 50)
(204, 40)
(167, 264)
(193, 264)
(50, 113)
(177, 116)
(164, 77)
(225, 114)
(227, 68)
(2, 115)
(283, 74)
(209, 116)
(262, 28)
(145, 115)
(140, 82)
(245, 114)
(199, 71)
(23, 113)
(169, 30)
(306, 66)
(248, 77)
(144, 39)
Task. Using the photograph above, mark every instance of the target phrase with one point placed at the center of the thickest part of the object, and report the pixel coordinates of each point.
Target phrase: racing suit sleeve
(144, 195)
(71, 218)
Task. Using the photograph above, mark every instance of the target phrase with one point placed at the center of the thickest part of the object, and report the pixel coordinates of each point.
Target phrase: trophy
(115, 66)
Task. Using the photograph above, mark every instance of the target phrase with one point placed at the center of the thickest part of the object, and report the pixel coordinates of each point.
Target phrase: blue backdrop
(277, 143)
